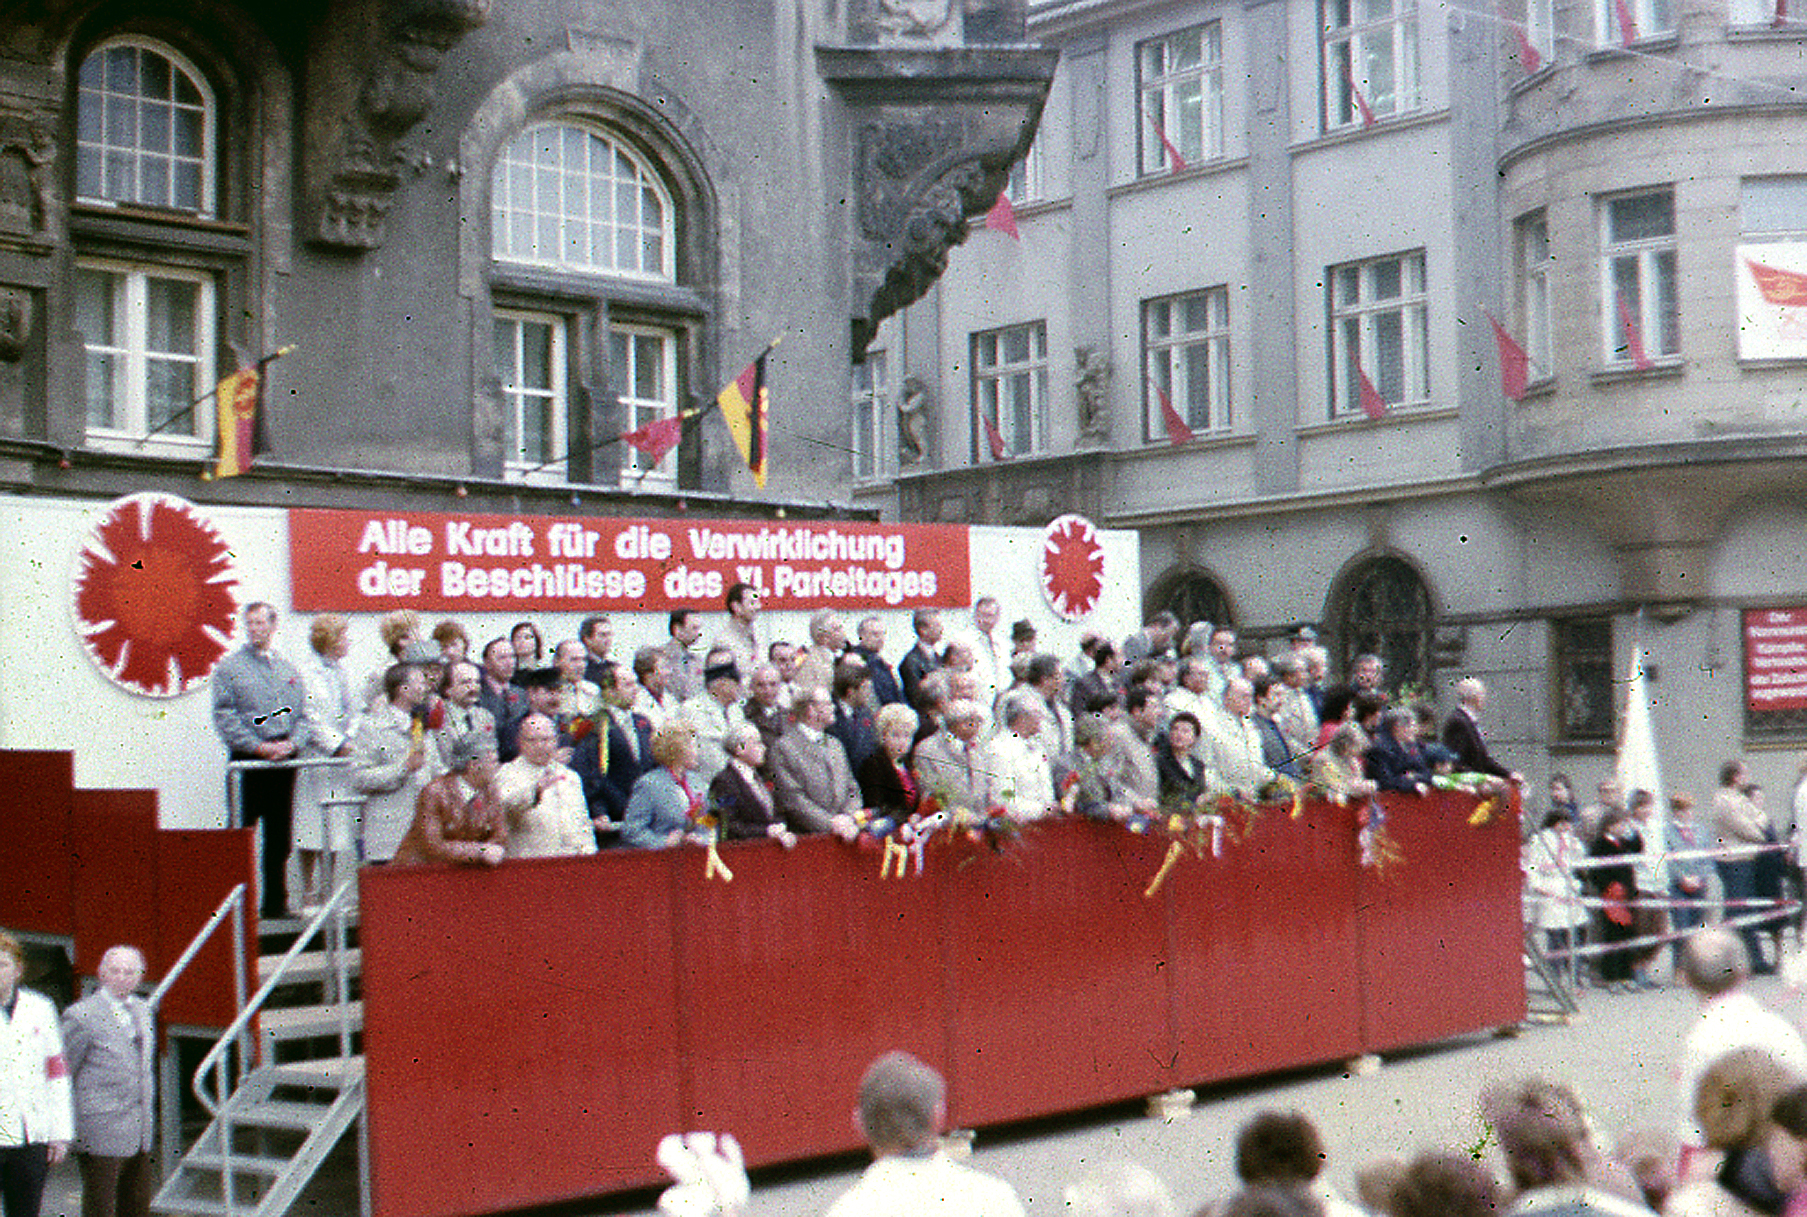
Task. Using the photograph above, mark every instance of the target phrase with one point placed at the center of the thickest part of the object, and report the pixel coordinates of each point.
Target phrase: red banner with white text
(373, 561)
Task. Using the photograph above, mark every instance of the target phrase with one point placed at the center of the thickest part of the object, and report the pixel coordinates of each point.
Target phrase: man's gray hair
(900, 1103)
(1714, 962)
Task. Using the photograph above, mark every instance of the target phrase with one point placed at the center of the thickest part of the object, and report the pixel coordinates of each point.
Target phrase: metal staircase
(278, 1111)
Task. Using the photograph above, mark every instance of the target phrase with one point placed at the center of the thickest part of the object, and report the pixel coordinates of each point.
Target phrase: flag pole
(189, 409)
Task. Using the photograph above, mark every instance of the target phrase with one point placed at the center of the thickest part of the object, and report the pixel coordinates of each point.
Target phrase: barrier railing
(349, 800)
(233, 906)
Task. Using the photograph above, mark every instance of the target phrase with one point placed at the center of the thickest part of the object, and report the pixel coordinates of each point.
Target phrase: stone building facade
(1251, 207)
(496, 234)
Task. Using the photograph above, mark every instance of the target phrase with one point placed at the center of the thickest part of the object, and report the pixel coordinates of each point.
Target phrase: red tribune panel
(38, 894)
(522, 1015)
(113, 842)
(1056, 973)
(1442, 952)
(1265, 971)
(196, 868)
(791, 988)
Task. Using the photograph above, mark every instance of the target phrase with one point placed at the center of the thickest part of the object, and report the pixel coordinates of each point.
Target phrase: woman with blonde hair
(662, 806)
(322, 823)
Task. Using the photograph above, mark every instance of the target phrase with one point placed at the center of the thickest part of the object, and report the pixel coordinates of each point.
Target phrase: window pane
(1385, 280)
(1348, 284)
(1775, 204)
(536, 355)
(122, 69)
(169, 388)
(1641, 217)
(1198, 312)
(1668, 308)
(170, 315)
(104, 371)
(1388, 372)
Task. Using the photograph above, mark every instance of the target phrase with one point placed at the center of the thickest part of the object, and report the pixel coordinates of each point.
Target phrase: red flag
(993, 436)
(1173, 154)
(1514, 363)
(743, 403)
(1355, 91)
(1781, 17)
(1372, 403)
(657, 437)
(1628, 26)
(1777, 285)
(1528, 58)
(1177, 431)
(1634, 341)
(1002, 216)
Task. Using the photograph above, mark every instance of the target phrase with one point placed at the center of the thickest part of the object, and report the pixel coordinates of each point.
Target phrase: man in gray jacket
(108, 1042)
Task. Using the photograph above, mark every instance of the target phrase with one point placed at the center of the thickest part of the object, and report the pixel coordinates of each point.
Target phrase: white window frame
(871, 400)
(546, 190)
(1540, 27)
(1364, 316)
(518, 464)
(638, 410)
(1022, 385)
(1751, 12)
(1168, 358)
(129, 429)
(1352, 49)
(1653, 19)
(1531, 237)
(1650, 261)
(92, 137)
(1026, 184)
(1164, 110)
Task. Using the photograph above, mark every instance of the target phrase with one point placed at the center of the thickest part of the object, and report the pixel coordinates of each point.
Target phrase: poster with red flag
(993, 437)
(1633, 335)
(1772, 300)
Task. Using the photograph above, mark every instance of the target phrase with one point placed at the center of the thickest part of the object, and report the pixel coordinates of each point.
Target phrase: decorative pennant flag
(1174, 158)
(1634, 340)
(237, 399)
(1355, 91)
(1177, 431)
(1528, 57)
(1514, 363)
(743, 404)
(1372, 403)
(1778, 286)
(1628, 26)
(993, 436)
(1002, 216)
(659, 436)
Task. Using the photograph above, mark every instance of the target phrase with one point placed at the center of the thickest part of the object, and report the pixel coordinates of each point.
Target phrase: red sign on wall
(364, 561)
(1775, 659)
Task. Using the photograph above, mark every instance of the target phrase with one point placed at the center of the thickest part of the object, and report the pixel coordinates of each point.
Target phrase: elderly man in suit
(108, 1044)
(812, 781)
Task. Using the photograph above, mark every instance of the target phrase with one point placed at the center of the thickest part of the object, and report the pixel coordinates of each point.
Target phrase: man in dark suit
(924, 657)
(1462, 733)
(108, 1044)
(609, 761)
(885, 689)
(853, 722)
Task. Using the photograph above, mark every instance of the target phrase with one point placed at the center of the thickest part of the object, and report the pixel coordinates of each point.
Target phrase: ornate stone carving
(934, 134)
(912, 416)
(1092, 388)
(395, 93)
(15, 323)
(26, 153)
(931, 20)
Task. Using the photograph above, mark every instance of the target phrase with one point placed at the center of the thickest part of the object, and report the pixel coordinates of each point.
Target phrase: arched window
(144, 129)
(1191, 595)
(1383, 607)
(585, 272)
(575, 197)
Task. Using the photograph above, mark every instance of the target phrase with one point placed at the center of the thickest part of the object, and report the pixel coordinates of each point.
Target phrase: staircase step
(250, 1164)
(276, 1023)
(309, 966)
(196, 1206)
(330, 1072)
(279, 1113)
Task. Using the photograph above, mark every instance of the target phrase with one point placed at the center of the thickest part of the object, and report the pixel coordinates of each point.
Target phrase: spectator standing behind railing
(1553, 903)
(542, 798)
(1740, 823)
(260, 711)
(109, 1044)
(1682, 834)
(664, 805)
(37, 1120)
(392, 761)
(457, 818)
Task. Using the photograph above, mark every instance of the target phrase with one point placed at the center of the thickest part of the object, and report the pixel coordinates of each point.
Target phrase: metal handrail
(233, 905)
(215, 1060)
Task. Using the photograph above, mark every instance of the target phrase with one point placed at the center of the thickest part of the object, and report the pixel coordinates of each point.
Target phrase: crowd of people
(1612, 880)
(455, 753)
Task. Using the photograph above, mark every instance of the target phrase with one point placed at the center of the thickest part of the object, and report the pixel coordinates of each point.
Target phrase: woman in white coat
(321, 822)
(34, 1088)
(391, 763)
